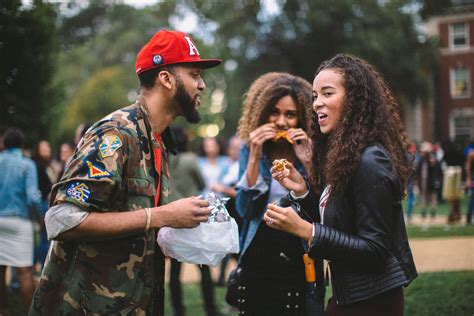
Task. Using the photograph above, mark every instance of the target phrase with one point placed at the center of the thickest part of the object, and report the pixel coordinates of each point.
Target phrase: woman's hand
(259, 136)
(302, 145)
(256, 140)
(290, 178)
(286, 219)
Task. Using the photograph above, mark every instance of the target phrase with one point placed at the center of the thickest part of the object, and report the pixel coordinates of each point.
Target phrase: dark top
(364, 235)
(44, 182)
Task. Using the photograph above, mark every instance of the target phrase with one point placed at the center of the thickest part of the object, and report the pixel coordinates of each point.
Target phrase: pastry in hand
(283, 135)
(280, 164)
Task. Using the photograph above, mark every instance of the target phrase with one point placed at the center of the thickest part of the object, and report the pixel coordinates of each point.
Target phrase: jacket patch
(97, 172)
(109, 145)
(79, 191)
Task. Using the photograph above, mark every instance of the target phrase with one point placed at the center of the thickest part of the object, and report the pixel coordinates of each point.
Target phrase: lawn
(440, 231)
(443, 293)
(431, 294)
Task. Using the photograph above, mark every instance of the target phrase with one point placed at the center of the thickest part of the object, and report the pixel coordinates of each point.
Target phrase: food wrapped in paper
(206, 244)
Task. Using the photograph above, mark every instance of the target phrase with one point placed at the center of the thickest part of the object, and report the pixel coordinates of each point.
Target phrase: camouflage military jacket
(112, 170)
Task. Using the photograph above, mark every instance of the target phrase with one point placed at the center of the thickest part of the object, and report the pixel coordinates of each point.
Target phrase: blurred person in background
(187, 181)
(66, 151)
(46, 178)
(452, 179)
(411, 188)
(470, 185)
(212, 162)
(275, 123)
(20, 199)
(2, 147)
(226, 188)
(80, 131)
(428, 180)
(439, 155)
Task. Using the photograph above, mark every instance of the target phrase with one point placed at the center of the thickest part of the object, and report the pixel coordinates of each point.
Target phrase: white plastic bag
(206, 244)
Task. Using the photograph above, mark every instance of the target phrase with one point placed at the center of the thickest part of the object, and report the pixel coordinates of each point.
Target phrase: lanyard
(157, 152)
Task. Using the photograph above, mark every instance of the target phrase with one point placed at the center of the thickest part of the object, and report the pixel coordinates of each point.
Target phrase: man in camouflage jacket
(113, 196)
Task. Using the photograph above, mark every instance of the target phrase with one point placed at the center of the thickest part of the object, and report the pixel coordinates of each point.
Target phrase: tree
(252, 39)
(27, 61)
(104, 92)
(105, 59)
(300, 34)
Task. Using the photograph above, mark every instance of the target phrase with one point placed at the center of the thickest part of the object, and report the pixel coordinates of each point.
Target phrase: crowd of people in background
(438, 173)
(437, 177)
(438, 170)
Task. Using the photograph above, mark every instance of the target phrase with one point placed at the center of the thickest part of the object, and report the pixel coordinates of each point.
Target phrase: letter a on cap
(192, 48)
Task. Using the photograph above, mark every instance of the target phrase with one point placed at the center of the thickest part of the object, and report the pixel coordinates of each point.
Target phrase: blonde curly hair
(265, 92)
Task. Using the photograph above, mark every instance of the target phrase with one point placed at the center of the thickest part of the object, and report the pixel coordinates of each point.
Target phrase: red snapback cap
(169, 48)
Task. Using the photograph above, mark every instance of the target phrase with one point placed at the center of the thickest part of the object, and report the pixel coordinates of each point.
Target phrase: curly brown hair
(370, 115)
(263, 95)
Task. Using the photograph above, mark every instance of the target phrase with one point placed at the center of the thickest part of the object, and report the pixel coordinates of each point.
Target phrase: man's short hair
(13, 138)
(148, 78)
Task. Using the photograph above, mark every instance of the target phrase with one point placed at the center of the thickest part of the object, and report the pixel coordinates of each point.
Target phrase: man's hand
(183, 213)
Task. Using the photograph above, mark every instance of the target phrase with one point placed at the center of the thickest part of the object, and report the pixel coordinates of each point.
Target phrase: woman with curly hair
(275, 124)
(360, 171)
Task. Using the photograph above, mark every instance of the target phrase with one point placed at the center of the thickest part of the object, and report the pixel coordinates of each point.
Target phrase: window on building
(460, 83)
(462, 125)
(459, 35)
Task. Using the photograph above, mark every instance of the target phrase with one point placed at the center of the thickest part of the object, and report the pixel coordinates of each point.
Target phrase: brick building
(453, 104)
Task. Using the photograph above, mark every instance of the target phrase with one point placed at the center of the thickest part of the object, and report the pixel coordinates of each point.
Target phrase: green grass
(441, 293)
(194, 302)
(446, 231)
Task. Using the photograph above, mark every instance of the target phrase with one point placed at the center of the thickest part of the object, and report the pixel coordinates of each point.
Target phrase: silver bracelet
(148, 219)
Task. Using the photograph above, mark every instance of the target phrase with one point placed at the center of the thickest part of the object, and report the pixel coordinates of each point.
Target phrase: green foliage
(251, 39)
(28, 48)
(301, 34)
(98, 69)
(104, 92)
(430, 7)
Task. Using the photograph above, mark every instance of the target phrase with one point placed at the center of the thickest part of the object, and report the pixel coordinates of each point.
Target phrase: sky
(136, 3)
(269, 4)
(187, 24)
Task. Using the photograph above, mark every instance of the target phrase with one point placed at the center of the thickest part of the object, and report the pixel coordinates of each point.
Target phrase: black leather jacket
(364, 235)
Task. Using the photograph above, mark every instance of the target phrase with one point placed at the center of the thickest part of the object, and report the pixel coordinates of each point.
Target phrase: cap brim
(206, 63)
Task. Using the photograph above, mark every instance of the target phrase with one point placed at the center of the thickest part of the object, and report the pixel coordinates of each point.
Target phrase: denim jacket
(251, 202)
(19, 191)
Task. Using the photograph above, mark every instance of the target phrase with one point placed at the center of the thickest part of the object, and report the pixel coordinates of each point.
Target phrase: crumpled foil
(219, 212)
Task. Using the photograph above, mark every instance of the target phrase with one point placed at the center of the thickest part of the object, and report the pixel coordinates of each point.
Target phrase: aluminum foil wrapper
(219, 212)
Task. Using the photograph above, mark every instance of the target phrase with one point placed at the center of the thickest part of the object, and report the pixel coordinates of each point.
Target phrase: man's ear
(166, 79)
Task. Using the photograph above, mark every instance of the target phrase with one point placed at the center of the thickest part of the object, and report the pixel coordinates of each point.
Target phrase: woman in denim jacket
(274, 125)
(20, 202)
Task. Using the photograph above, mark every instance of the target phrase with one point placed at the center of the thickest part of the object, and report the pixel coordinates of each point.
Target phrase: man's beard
(186, 102)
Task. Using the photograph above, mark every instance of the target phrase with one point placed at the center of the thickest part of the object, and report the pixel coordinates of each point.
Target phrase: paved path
(430, 254)
(443, 254)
